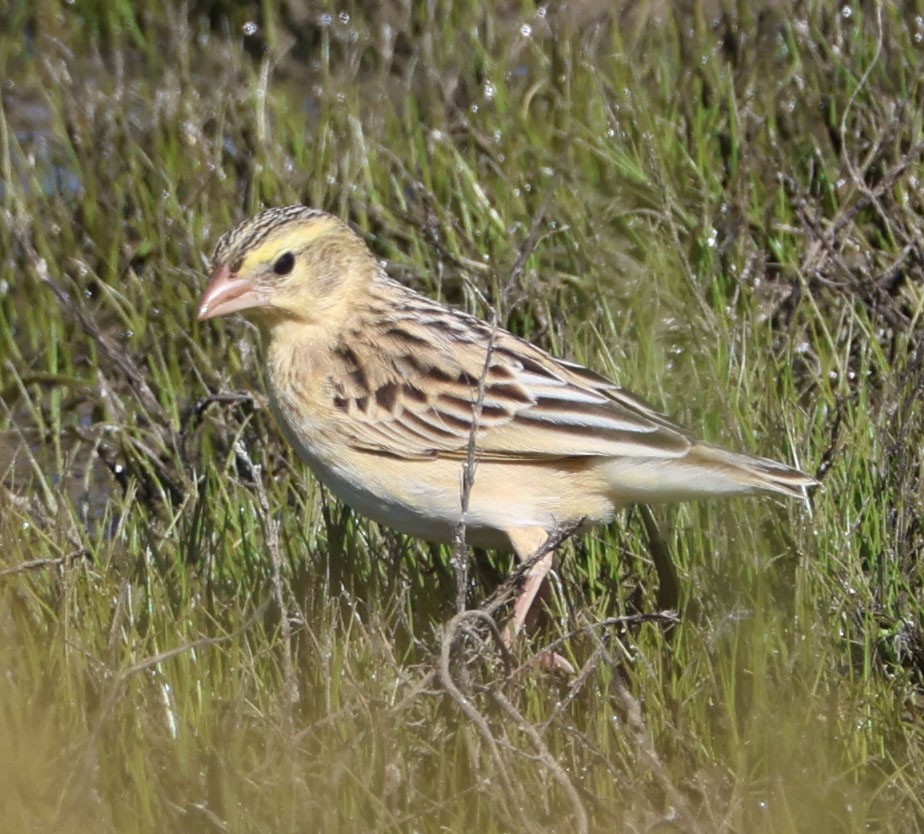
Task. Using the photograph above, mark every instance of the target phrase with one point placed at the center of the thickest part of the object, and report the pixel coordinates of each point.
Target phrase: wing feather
(413, 395)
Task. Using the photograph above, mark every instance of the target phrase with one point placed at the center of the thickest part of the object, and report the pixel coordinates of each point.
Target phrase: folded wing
(422, 400)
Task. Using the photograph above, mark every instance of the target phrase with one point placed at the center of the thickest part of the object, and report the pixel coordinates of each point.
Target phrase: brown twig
(459, 544)
(506, 589)
(37, 564)
(114, 354)
(650, 758)
(271, 526)
(545, 756)
(533, 239)
(516, 800)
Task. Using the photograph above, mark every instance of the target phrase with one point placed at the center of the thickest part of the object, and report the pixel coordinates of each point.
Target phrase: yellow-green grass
(717, 204)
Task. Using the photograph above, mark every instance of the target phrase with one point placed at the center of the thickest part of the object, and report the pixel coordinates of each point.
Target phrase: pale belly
(424, 498)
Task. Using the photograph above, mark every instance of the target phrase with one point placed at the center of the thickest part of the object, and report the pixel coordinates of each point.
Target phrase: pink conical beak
(226, 293)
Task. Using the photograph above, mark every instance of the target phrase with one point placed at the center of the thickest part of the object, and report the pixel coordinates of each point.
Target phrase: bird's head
(285, 264)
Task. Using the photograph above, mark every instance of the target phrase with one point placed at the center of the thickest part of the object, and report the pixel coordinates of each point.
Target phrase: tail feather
(752, 474)
(703, 472)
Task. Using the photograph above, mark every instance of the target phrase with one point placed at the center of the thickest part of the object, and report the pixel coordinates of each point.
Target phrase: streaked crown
(250, 234)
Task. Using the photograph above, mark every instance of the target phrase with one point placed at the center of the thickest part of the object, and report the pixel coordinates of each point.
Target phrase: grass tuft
(716, 204)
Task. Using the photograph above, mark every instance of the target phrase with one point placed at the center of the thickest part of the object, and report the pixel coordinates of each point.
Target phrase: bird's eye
(284, 264)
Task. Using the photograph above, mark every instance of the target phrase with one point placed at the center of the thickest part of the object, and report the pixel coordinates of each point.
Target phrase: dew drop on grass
(250, 28)
(526, 30)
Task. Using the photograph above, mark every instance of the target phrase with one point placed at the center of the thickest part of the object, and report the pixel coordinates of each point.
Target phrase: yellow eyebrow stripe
(289, 240)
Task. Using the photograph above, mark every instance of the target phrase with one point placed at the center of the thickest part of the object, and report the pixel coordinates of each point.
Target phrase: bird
(380, 390)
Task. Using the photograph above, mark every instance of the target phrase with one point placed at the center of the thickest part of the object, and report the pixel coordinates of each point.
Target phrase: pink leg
(526, 542)
(535, 578)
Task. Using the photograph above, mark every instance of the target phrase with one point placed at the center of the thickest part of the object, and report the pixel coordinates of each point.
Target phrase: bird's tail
(750, 474)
